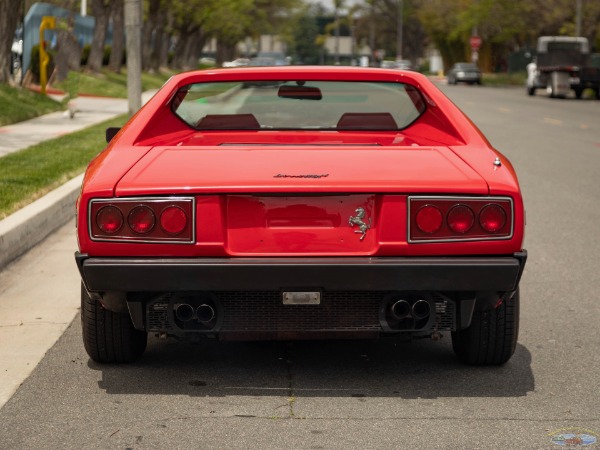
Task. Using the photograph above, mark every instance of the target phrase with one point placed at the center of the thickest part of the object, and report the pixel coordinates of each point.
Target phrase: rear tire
(492, 337)
(109, 337)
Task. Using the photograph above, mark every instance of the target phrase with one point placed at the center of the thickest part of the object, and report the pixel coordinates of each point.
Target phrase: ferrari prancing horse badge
(358, 220)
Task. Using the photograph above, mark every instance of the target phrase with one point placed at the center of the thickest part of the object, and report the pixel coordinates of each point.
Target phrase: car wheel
(109, 337)
(492, 337)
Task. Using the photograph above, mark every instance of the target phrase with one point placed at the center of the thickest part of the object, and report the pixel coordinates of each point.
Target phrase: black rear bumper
(459, 273)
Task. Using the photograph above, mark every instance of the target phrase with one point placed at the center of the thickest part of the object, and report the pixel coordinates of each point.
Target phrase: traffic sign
(475, 42)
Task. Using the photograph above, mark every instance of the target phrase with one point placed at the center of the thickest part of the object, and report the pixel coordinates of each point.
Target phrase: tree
(305, 32)
(9, 19)
(117, 50)
(101, 11)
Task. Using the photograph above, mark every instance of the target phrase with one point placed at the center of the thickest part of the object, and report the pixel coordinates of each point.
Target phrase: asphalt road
(364, 394)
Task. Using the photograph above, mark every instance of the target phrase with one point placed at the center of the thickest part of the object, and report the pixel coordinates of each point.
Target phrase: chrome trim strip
(126, 239)
(459, 199)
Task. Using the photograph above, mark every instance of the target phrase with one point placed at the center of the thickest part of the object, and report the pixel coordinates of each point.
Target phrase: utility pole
(133, 31)
(399, 30)
(578, 14)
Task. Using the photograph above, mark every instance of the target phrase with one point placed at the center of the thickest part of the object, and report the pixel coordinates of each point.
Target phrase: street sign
(475, 42)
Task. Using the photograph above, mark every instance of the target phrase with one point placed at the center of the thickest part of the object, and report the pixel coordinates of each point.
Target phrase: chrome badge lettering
(358, 220)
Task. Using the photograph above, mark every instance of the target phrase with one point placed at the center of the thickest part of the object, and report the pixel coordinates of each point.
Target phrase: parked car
(300, 203)
(464, 73)
(402, 64)
(239, 62)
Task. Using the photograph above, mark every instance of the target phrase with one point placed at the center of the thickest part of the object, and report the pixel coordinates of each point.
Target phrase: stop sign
(475, 42)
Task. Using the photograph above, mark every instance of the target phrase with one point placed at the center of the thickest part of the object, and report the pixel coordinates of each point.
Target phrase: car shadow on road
(384, 368)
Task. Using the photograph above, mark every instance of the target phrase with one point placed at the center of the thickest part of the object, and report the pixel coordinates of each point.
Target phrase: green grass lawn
(18, 104)
(33, 172)
(110, 84)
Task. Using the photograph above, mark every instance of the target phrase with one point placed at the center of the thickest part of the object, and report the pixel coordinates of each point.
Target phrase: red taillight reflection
(173, 220)
(141, 219)
(109, 219)
(492, 218)
(429, 219)
(460, 218)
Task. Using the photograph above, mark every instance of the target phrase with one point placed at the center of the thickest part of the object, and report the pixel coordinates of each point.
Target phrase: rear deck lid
(289, 169)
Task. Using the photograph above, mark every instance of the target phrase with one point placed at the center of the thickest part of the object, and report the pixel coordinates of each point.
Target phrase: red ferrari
(300, 203)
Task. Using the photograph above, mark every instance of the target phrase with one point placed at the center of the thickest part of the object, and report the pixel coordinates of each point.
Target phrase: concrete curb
(29, 226)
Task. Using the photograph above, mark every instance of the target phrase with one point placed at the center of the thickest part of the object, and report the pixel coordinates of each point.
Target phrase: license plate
(301, 298)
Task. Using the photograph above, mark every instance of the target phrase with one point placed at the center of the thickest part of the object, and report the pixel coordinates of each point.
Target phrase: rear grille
(258, 311)
(264, 311)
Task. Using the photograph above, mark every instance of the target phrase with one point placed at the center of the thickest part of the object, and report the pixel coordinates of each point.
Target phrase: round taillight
(461, 218)
(429, 219)
(492, 218)
(173, 220)
(109, 219)
(141, 219)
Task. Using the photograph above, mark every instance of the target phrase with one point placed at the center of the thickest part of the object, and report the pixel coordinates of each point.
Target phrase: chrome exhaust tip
(184, 312)
(421, 309)
(205, 313)
(400, 309)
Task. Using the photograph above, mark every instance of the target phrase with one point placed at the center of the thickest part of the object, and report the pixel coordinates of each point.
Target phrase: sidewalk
(27, 227)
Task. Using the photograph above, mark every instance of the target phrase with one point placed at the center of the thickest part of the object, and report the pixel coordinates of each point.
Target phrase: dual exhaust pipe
(186, 312)
(402, 309)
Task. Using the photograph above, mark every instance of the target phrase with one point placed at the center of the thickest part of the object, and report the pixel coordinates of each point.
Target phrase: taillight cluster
(447, 219)
(169, 219)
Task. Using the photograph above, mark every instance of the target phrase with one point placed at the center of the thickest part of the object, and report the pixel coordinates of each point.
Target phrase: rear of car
(464, 73)
(300, 203)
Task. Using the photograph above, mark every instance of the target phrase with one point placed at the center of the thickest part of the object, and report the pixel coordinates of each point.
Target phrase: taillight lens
(460, 218)
(429, 219)
(141, 219)
(447, 219)
(173, 220)
(109, 219)
(492, 218)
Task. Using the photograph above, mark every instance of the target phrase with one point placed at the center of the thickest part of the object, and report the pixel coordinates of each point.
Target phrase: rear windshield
(298, 105)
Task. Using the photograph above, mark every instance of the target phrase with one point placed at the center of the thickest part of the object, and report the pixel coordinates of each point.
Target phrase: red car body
(225, 209)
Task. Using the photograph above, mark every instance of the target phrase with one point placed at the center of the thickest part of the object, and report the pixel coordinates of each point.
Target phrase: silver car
(464, 73)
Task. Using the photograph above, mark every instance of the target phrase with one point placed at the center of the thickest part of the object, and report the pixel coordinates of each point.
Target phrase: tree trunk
(194, 50)
(163, 53)
(181, 50)
(68, 54)
(9, 18)
(101, 11)
(159, 38)
(165, 44)
(118, 39)
(149, 37)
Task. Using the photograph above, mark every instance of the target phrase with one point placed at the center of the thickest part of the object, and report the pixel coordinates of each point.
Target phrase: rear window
(299, 105)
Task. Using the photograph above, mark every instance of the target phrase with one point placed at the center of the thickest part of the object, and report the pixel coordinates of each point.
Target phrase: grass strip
(21, 104)
(31, 173)
(111, 84)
